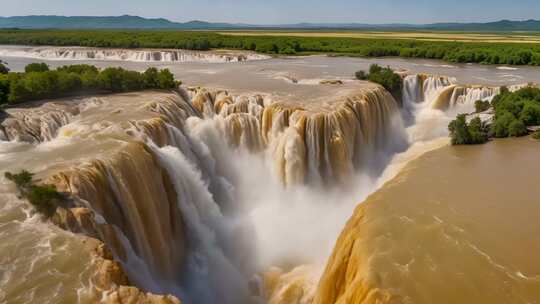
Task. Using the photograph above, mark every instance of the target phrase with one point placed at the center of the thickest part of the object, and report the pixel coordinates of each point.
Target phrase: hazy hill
(88, 22)
(135, 22)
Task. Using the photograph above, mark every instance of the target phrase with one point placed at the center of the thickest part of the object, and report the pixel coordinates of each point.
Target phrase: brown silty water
(455, 226)
(193, 191)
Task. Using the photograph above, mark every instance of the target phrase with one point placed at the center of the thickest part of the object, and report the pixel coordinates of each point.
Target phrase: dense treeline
(38, 82)
(476, 52)
(514, 112)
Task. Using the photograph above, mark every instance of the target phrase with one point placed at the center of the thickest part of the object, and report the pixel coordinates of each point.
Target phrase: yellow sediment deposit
(296, 286)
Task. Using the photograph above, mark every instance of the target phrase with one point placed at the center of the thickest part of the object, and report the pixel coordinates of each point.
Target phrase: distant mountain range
(135, 22)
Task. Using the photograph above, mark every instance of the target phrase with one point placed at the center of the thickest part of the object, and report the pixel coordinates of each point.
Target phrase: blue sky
(287, 11)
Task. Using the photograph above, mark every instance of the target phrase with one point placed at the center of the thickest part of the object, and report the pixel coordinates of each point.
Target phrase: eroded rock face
(110, 279)
(132, 295)
(296, 286)
(347, 278)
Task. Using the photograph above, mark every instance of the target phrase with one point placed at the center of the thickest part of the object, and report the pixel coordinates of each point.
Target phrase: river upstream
(268, 180)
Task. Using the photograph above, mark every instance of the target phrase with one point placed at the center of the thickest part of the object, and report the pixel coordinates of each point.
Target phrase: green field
(486, 48)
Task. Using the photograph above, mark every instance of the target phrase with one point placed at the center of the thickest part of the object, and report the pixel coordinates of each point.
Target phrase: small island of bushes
(513, 115)
(40, 82)
(386, 77)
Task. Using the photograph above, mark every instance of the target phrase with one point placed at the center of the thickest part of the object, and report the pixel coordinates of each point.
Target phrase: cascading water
(431, 102)
(78, 53)
(198, 196)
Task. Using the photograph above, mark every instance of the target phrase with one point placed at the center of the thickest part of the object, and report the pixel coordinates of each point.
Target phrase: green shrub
(478, 134)
(165, 79)
(44, 198)
(79, 69)
(462, 133)
(459, 131)
(386, 77)
(3, 68)
(4, 88)
(36, 67)
(501, 124)
(22, 179)
(536, 135)
(481, 105)
(517, 128)
(530, 114)
(515, 111)
(361, 75)
(150, 78)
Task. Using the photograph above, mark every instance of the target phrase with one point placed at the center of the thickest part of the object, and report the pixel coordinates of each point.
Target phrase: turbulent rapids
(155, 186)
(212, 195)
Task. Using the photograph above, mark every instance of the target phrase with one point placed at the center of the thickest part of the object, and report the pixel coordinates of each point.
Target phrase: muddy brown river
(259, 163)
(457, 225)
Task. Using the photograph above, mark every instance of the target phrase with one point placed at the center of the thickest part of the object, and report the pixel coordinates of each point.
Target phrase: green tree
(478, 134)
(110, 79)
(459, 132)
(150, 78)
(501, 124)
(166, 80)
(517, 128)
(36, 67)
(4, 88)
(530, 115)
(361, 75)
(386, 77)
(68, 82)
(481, 105)
(3, 68)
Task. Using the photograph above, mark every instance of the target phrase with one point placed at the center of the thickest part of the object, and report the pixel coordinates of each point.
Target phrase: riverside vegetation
(513, 113)
(386, 77)
(39, 82)
(452, 51)
(44, 198)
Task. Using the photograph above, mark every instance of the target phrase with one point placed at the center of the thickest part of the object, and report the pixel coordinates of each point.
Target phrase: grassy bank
(452, 49)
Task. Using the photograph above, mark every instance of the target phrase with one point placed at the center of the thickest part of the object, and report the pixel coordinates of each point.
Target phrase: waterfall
(210, 275)
(431, 102)
(37, 126)
(325, 146)
(189, 188)
(135, 55)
